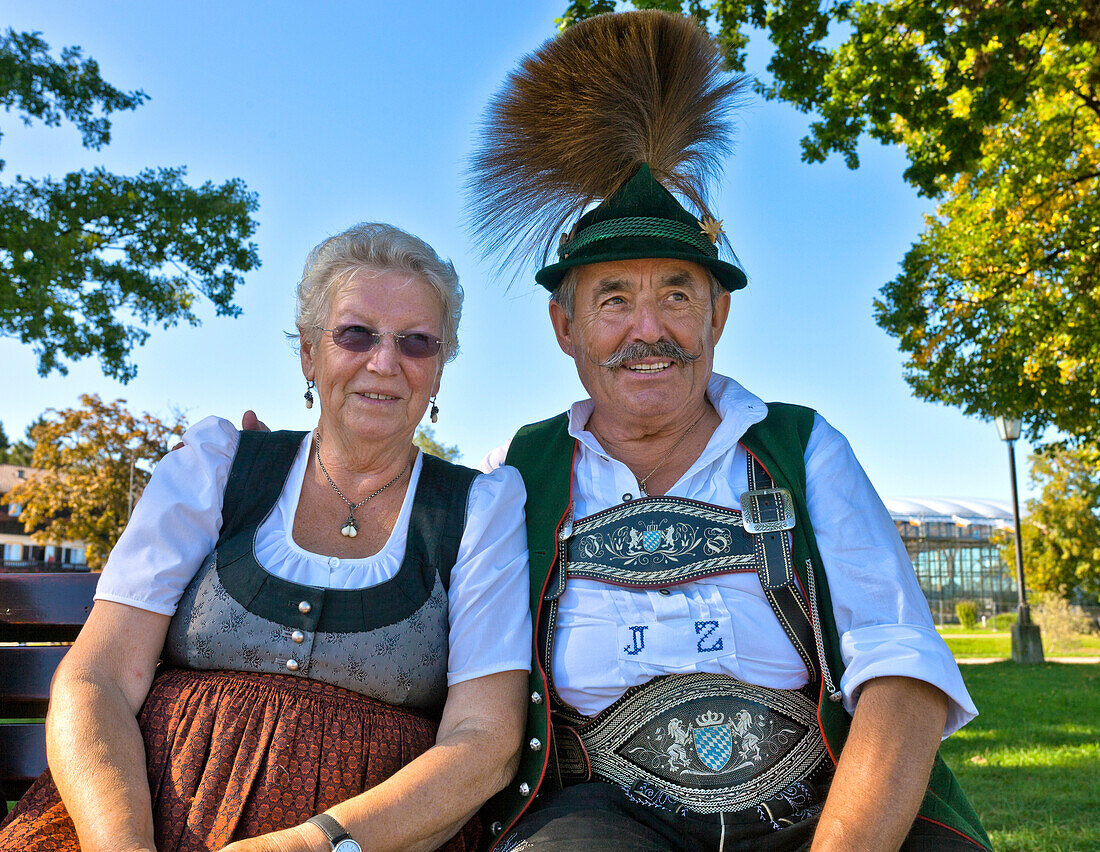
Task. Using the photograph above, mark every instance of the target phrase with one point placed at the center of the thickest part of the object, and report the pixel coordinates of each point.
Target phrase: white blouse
(609, 639)
(175, 526)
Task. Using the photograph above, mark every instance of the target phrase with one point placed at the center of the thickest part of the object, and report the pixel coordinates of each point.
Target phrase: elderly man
(733, 651)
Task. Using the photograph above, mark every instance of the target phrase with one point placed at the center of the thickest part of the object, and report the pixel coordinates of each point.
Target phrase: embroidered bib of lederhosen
(388, 641)
(706, 742)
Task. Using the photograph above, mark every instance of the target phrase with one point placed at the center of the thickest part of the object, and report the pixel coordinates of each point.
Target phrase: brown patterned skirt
(235, 754)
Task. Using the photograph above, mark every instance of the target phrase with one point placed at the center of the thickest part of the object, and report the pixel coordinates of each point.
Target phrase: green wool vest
(543, 453)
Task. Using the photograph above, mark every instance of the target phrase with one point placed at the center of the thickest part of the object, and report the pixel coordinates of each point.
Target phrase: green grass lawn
(1030, 763)
(980, 643)
(948, 629)
(980, 646)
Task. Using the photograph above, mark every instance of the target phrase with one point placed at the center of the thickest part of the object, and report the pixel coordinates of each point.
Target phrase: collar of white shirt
(738, 408)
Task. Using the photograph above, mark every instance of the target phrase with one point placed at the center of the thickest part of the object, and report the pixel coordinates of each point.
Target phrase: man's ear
(563, 328)
(720, 315)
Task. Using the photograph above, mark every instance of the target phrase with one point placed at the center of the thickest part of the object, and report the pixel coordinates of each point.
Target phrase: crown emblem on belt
(709, 719)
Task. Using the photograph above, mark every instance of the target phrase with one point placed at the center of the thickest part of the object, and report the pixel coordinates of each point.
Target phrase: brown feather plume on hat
(581, 114)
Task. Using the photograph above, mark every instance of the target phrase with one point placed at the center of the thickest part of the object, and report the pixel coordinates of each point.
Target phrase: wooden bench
(34, 608)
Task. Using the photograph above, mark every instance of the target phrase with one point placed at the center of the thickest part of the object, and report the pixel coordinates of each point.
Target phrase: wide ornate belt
(659, 541)
(705, 742)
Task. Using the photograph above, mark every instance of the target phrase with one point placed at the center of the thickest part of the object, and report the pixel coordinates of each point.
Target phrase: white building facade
(18, 551)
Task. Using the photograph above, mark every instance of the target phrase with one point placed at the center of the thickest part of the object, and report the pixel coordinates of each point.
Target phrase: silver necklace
(642, 482)
(350, 527)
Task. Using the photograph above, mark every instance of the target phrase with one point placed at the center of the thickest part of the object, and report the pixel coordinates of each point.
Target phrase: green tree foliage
(998, 305)
(967, 613)
(931, 76)
(426, 440)
(1061, 533)
(89, 260)
(17, 452)
(86, 456)
(1063, 624)
(578, 10)
(997, 105)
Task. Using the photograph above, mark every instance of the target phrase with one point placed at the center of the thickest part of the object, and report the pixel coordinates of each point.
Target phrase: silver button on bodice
(292, 665)
(304, 607)
(536, 698)
(298, 636)
(535, 744)
(524, 789)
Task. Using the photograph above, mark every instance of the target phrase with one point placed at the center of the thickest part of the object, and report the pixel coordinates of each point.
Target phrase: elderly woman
(342, 620)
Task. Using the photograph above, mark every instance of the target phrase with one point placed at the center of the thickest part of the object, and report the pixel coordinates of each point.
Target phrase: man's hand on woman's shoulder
(251, 423)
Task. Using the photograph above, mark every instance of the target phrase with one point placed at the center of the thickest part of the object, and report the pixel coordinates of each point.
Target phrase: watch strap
(331, 827)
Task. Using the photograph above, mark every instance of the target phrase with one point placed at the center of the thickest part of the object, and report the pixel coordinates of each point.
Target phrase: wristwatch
(337, 835)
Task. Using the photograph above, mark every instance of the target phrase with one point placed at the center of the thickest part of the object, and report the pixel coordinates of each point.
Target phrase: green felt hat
(641, 220)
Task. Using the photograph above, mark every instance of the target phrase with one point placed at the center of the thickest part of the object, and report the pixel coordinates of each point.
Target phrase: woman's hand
(427, 802)
(300, 838)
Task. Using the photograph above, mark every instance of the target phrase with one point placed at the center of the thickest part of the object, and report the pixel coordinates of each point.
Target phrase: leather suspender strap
(767, 513)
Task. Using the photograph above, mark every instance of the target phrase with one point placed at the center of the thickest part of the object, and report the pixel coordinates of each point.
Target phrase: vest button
(304, 607)
(496, 828)
(536, 698)
(298, 636)
(524, 789)
(535, 744)
(292, 665)
(628, 497)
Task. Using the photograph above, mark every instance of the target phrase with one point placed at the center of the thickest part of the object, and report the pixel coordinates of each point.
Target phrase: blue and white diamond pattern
(714, 745)
(651, 540)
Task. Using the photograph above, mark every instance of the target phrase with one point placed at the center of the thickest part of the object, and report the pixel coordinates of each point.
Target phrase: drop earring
(309, 393)
(435, 411)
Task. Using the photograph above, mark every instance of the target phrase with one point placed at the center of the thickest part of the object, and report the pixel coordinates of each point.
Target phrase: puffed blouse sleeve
(488, 602)
(175, 524)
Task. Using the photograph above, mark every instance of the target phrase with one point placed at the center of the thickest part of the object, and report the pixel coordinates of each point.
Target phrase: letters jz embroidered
(709, 626)
(637, 632)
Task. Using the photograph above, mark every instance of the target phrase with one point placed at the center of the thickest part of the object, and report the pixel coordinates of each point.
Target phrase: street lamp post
(130, 493)
(1027, 643)
(173, 442)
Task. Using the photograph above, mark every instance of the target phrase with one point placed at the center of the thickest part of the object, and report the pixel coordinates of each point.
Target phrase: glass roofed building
(949, 543)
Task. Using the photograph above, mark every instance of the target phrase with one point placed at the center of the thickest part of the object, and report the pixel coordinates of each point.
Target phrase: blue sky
(342, 112)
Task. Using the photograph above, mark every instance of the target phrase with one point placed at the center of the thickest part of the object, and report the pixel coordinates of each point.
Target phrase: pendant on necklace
(350, 528)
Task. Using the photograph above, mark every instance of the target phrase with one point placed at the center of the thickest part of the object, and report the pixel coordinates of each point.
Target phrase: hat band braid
(640, 226)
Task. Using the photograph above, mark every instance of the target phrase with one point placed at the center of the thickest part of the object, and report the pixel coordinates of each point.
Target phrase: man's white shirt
(609, 639)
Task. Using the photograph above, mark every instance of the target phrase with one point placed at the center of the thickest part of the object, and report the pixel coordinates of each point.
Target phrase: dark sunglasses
(357, 338)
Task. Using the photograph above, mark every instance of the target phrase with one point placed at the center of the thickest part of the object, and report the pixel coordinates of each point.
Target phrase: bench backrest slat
(22, 758)
(42, 606)
(34, 608)
(27, 674)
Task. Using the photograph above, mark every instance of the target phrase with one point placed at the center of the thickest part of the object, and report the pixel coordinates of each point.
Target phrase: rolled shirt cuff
(904, 650)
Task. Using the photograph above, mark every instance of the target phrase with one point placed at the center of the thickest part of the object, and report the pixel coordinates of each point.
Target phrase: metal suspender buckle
(767, 510)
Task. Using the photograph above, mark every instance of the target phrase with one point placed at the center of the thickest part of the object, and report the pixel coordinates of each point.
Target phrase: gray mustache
(666, 349)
